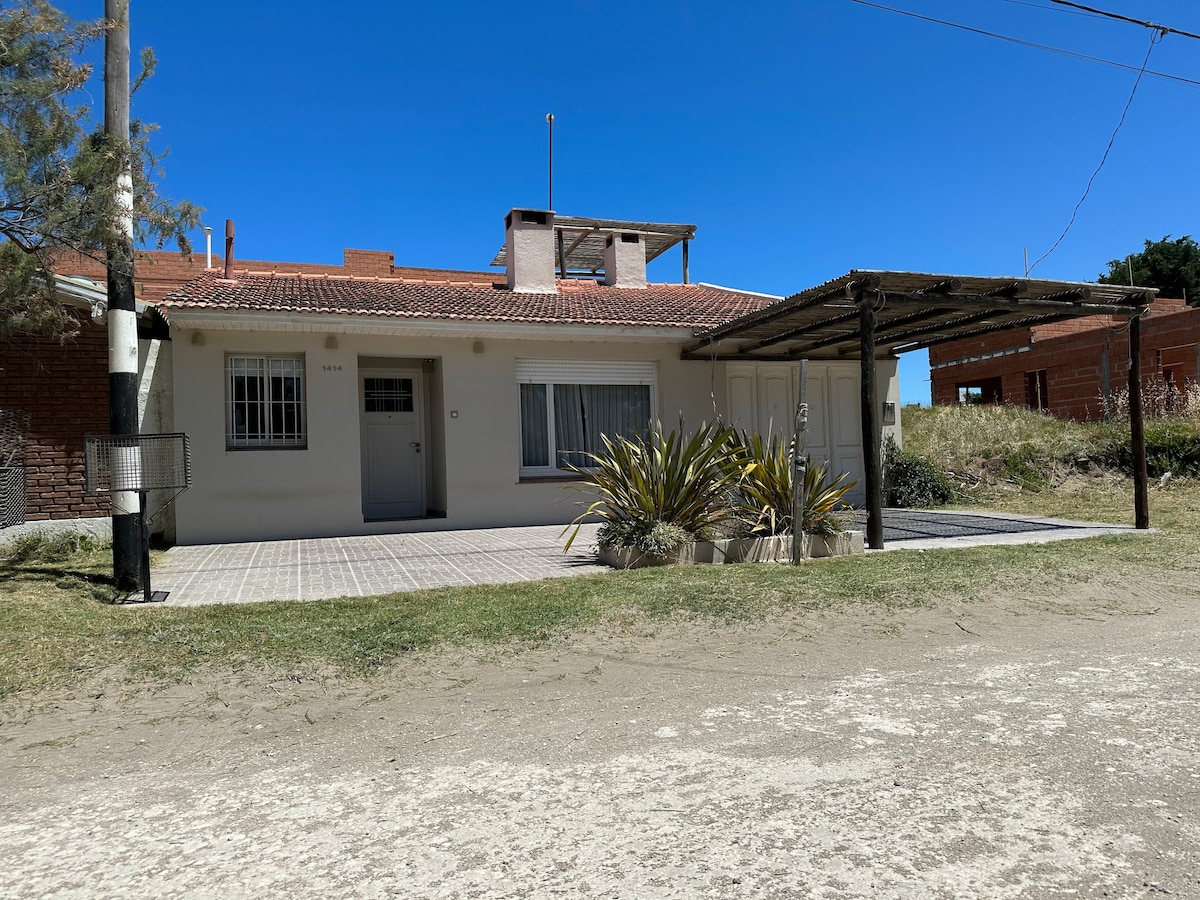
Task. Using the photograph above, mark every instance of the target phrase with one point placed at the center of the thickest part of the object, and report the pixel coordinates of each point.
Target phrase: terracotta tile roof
(465, 296)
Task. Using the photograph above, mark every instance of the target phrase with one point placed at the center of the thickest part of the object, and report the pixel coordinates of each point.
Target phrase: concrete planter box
(737, 550)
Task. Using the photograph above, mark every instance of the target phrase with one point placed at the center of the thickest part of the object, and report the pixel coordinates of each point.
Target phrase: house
(1068, 368)
(335, 404)
(54, 392)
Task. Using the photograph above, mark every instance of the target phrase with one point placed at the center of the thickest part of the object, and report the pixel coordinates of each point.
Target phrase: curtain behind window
(584, 412)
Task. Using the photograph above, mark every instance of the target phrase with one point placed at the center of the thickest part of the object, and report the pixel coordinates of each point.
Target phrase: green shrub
(48, 546)
(1171, 446)
(912, 481)
(1028, 467)
(662, 478)
(653, 538)
(762, 501)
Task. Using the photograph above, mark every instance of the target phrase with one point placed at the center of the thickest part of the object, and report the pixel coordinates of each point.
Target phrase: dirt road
(1007, 749)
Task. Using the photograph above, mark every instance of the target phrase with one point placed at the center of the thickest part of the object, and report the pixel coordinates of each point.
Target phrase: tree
(57, 169)
(1172, 266)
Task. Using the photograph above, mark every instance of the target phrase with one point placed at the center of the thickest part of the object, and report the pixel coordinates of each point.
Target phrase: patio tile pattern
(321, 568)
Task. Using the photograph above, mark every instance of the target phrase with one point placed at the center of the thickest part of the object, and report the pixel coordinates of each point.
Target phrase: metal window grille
(264, 402)
(137, 462)
(387, 394)
(13, 428)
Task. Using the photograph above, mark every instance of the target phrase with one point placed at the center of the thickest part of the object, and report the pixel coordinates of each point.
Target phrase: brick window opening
(264, 402)
(1037, 391)
(982, 392)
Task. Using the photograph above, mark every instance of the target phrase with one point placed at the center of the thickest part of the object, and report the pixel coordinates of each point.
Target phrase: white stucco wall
(472, 437)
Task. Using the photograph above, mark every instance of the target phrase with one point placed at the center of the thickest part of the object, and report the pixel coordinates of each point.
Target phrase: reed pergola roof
(913, 311)
(583, 240)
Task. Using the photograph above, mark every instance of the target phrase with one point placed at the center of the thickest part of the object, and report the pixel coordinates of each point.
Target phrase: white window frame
(293, 440)
(552, 372)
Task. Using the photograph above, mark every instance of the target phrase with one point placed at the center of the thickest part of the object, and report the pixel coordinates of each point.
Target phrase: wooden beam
(796, 332)
(685, 260)
(663, 249)
(1007, 290)
(1137, 427)
(971, 302)
(782, 309)
(949, 286)
(979, 332)
(895, 322)
(903, 336)
(872, 437)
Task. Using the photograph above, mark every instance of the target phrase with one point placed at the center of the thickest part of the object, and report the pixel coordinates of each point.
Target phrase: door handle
(416, 445)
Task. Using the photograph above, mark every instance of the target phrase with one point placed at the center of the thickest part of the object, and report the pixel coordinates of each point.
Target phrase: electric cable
(1036, 46)
(1162, 29)
(1154, 39)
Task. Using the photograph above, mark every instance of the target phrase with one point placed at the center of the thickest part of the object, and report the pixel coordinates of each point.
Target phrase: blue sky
(803, 139)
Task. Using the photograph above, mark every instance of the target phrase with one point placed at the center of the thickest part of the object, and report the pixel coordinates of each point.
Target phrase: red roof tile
(465, 296)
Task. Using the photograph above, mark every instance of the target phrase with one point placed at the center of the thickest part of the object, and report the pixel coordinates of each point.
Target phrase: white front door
(393, 452)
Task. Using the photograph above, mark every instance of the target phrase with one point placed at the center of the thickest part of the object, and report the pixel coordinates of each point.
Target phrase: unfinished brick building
(1067, 368)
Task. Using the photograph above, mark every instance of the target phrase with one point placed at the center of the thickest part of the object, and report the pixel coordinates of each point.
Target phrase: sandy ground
(1010, 748)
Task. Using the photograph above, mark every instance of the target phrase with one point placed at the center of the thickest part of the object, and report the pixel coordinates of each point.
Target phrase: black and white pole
(122, 315)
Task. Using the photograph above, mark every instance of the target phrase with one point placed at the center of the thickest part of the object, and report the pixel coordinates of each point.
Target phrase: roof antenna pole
(550, 173)
(1026, 262)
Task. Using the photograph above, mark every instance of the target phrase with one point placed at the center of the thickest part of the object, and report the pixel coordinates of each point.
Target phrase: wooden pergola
(580, 241)
(868, 314)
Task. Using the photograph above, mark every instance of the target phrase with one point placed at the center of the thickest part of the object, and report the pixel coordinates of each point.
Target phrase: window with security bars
(387, 394)
(264, 402)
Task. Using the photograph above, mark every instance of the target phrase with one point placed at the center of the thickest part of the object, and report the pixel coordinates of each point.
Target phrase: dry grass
(957, 436)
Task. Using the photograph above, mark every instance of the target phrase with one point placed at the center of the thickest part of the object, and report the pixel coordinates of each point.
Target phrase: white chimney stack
(529, 250)
(625, 260)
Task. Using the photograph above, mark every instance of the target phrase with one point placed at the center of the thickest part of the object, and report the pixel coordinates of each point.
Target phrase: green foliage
(58, 172)
(652, 538)
(1172, 266)
(1171, 446)
(47, 546)
(663, 477)
(763, 500)
(1028, 467)
(911, 481)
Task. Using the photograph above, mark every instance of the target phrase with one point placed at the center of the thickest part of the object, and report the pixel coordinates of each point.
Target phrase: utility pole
(122, 315)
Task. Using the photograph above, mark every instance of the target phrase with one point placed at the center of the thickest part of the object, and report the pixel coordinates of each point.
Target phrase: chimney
(229, 249)
(529, 250)
(625, 260)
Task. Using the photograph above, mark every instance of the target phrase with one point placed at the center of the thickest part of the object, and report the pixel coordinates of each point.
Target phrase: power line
(1162, 29)
(1024, 43)
(1070, 12)
(1154, 39)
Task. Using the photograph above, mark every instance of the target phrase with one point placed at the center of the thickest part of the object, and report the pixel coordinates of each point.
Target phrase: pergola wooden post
(800, 468)
(1137, 426)
(871, 435)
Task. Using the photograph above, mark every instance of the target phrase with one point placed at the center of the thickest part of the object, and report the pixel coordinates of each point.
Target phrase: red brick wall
(64, 390)
(1074, 375)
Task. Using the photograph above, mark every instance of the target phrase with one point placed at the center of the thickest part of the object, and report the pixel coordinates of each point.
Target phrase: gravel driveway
(1022, 748)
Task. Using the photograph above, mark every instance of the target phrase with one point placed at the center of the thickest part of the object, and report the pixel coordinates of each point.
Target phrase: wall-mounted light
(477, 347)
(889, 413)
(331, 342)
(197, 338)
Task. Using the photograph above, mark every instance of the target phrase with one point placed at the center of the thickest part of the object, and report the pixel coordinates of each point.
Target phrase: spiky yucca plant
(764, 490)
(664, 477)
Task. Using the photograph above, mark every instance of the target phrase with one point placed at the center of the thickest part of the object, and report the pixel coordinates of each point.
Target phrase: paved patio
(321, 568)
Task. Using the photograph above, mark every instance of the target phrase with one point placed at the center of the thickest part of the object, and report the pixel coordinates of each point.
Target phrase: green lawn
(55, 627)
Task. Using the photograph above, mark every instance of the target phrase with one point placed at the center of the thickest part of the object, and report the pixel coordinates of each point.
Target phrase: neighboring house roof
(469, 297)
